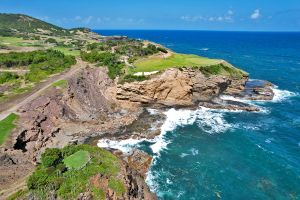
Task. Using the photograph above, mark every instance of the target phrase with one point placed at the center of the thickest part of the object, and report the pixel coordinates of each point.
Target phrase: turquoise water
(206, 154)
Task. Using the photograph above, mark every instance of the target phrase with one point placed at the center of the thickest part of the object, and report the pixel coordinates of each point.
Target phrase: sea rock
(174, 87)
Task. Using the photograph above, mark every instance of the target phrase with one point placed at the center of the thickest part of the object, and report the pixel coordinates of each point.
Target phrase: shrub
(130, 78)
(7, 77)
(51, 157)
(51, 41)
(162, 49)
(111, 60)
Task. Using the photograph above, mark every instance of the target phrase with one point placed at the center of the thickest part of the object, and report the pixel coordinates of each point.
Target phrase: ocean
(217, 154)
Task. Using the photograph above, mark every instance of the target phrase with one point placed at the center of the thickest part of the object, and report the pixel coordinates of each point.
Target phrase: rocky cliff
(92, 105)
(175, 87)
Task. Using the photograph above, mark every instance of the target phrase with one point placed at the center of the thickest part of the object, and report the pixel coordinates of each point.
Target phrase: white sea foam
(204, 49)
(182, 155)
(122, 145)
(269, 140)
(152, 111)
(210, 121)
(194, 151)
(281, 95)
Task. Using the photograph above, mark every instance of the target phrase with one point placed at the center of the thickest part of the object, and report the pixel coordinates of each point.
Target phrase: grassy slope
(176, 60)
(67, 51)
(206, 65)
(18, 42)
(26, 24)
(69, 183)
(6, 126)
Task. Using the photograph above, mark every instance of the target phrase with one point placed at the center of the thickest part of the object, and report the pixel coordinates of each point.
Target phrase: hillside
(14, 24)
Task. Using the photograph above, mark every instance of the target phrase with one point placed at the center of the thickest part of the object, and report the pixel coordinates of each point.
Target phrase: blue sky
(241, 15)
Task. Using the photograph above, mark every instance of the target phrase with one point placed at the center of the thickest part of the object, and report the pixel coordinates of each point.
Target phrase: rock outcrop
(61, 115)
(174, 87)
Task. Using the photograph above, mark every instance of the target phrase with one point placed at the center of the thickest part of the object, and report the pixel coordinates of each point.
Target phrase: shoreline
(129, 145)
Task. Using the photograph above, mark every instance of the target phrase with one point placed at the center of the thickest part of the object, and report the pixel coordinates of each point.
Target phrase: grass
(67, 51)
(21, 194)
(6, 126)
(68, 183)
(60, 83)
(16, 41)
(117, 186)
(176, 60)
(205, 65)
(77, 160)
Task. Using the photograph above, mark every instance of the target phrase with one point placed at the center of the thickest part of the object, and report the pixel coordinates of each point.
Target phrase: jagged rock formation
(93, 105)
(79, 110)
(175, 87)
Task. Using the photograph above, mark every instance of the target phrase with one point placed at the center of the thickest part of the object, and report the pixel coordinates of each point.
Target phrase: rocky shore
(93, 107)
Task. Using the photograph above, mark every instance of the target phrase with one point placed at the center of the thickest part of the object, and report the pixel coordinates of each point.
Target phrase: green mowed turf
(6, 126)
(176, 60)
(77, 160)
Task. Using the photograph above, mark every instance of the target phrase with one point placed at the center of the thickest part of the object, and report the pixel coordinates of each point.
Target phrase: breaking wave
(282, 95)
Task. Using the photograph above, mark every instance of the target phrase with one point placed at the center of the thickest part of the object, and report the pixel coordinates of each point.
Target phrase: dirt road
(13, 105)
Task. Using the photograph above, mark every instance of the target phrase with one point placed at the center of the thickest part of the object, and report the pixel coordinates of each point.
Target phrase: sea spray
(282, 95)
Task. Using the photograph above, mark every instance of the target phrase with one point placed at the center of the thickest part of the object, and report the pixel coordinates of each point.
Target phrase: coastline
(135, 116)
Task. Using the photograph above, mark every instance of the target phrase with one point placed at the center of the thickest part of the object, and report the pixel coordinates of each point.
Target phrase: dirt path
(19, 185)
(16, 103)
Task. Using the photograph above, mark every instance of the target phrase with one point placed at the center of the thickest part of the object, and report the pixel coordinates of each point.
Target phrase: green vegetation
(40, 63)
(51, 157)
(17, 24)
(206, 65)
(127, 47)
(117, 186)
(21, 194)
(19, 42)
(176, 60)
(55, 176)
(67, 50)
(60, 83)
(51, 41)
(131, 78)
(6, 127)
(111, 60)
(6, 77)
(98, 193)
(101, 53)
(77, 160)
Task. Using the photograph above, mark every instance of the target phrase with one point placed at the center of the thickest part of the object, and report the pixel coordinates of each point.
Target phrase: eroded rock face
(59, 110)
(236, 86)
(135, 186)
(174, 87)
(85, 98)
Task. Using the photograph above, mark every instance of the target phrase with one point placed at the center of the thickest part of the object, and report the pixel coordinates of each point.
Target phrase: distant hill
(14, 24)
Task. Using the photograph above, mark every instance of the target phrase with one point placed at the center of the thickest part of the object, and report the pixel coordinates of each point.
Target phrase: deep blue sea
(209, 154)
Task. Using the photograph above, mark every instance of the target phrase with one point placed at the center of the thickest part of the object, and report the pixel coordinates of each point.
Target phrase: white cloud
(230, 12)
(192, 18)
(227, 17)
(256, 14)
(78, 18)
(88, 19)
